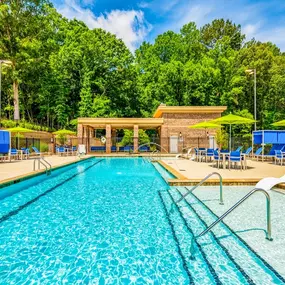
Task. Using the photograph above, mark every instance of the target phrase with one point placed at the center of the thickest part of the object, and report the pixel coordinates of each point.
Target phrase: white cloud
(128, 25)
(275, 35)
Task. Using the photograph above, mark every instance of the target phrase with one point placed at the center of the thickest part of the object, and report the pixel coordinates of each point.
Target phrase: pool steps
(232, 251)
(210, 250)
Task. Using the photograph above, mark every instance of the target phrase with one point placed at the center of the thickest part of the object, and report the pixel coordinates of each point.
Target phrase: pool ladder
(253, 191)
(42, 161)
(200, 183)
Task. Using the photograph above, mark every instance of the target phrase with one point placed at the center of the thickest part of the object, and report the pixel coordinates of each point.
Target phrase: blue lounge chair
(239, 148)
(248, 151)
(98, 148)
(37, 152)
(257, 154)
(113, 148)
(272, 151)
(235, 157)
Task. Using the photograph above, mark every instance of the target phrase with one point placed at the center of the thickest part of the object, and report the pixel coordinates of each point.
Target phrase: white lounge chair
(81, 149)
(269, 182)
(184, 155)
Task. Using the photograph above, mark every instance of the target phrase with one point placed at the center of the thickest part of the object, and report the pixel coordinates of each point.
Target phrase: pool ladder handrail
(200, 183)
(46, 164)
(268, 216)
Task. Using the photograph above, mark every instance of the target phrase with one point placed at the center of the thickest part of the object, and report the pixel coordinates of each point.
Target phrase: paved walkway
(13, 169)
(198, 170)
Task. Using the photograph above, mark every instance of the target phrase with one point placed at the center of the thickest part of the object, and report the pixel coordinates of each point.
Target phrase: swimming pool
(108, 221)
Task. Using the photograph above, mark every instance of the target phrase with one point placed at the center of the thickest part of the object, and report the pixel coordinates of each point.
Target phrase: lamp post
(4, 62)
(250, 72)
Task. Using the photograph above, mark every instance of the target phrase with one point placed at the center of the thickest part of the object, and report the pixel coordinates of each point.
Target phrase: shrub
(44, 147)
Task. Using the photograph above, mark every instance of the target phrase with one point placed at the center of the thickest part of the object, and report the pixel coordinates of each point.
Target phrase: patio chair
(209, 153)
(73, 150)
(257, 154)
(235, 157)
(279, 156)
(13, 153)
(37, 152)
(61, 151)
(217, 159)
(26, 152)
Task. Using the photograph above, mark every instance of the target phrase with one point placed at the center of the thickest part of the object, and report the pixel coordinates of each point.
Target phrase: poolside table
(243, 162)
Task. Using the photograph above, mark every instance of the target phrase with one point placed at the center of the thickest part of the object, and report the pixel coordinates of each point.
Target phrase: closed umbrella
(232, 120)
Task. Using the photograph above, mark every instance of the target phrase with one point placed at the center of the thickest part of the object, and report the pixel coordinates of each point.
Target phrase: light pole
(5, 62)
(253, 71)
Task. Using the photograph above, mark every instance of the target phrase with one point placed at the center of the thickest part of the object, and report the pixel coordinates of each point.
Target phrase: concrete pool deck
(18, 169)
(192, 172)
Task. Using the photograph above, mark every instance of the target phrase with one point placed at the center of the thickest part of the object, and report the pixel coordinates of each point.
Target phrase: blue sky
(136, 21)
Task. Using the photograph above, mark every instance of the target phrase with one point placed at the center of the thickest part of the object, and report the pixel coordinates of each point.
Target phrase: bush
(222, 139)
(44, 147)
(128, 138)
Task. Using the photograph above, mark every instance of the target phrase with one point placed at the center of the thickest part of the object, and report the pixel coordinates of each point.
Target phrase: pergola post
(108, 138)
(80, 133)
(136, 137)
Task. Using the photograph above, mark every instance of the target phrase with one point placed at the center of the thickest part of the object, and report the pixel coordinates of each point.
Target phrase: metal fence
(49, 145)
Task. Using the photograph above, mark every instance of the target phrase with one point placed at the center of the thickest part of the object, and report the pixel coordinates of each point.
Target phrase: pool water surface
(109, 221)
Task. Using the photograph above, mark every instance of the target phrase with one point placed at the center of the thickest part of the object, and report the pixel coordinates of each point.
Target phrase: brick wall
(176, 123)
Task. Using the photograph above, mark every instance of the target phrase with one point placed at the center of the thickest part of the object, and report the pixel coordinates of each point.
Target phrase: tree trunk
(16, 100)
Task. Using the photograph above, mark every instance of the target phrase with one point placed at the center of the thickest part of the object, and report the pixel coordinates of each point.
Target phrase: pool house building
(171, 125)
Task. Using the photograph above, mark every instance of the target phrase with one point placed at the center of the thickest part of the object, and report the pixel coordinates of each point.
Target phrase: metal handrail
(153, 153)
(200, 183)
(42, 161)
(151, 143)
(268, 215)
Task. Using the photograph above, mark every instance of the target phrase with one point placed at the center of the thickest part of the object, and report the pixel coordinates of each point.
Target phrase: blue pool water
(108, 221)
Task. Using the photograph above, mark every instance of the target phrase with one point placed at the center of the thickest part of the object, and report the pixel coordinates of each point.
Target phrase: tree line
(61, 70)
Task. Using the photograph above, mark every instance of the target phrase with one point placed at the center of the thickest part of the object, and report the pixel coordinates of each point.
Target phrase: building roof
(162, 109)
(122, 123)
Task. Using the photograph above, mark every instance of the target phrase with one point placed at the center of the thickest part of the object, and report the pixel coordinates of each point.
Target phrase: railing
(155, 153)
(200, 183)
(42, 161)
(268, 216)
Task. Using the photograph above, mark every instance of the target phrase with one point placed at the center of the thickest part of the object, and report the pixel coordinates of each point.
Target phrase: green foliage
(11, 124)
(44, 147)
(222, 138)
(128, 138)
(65, 70)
